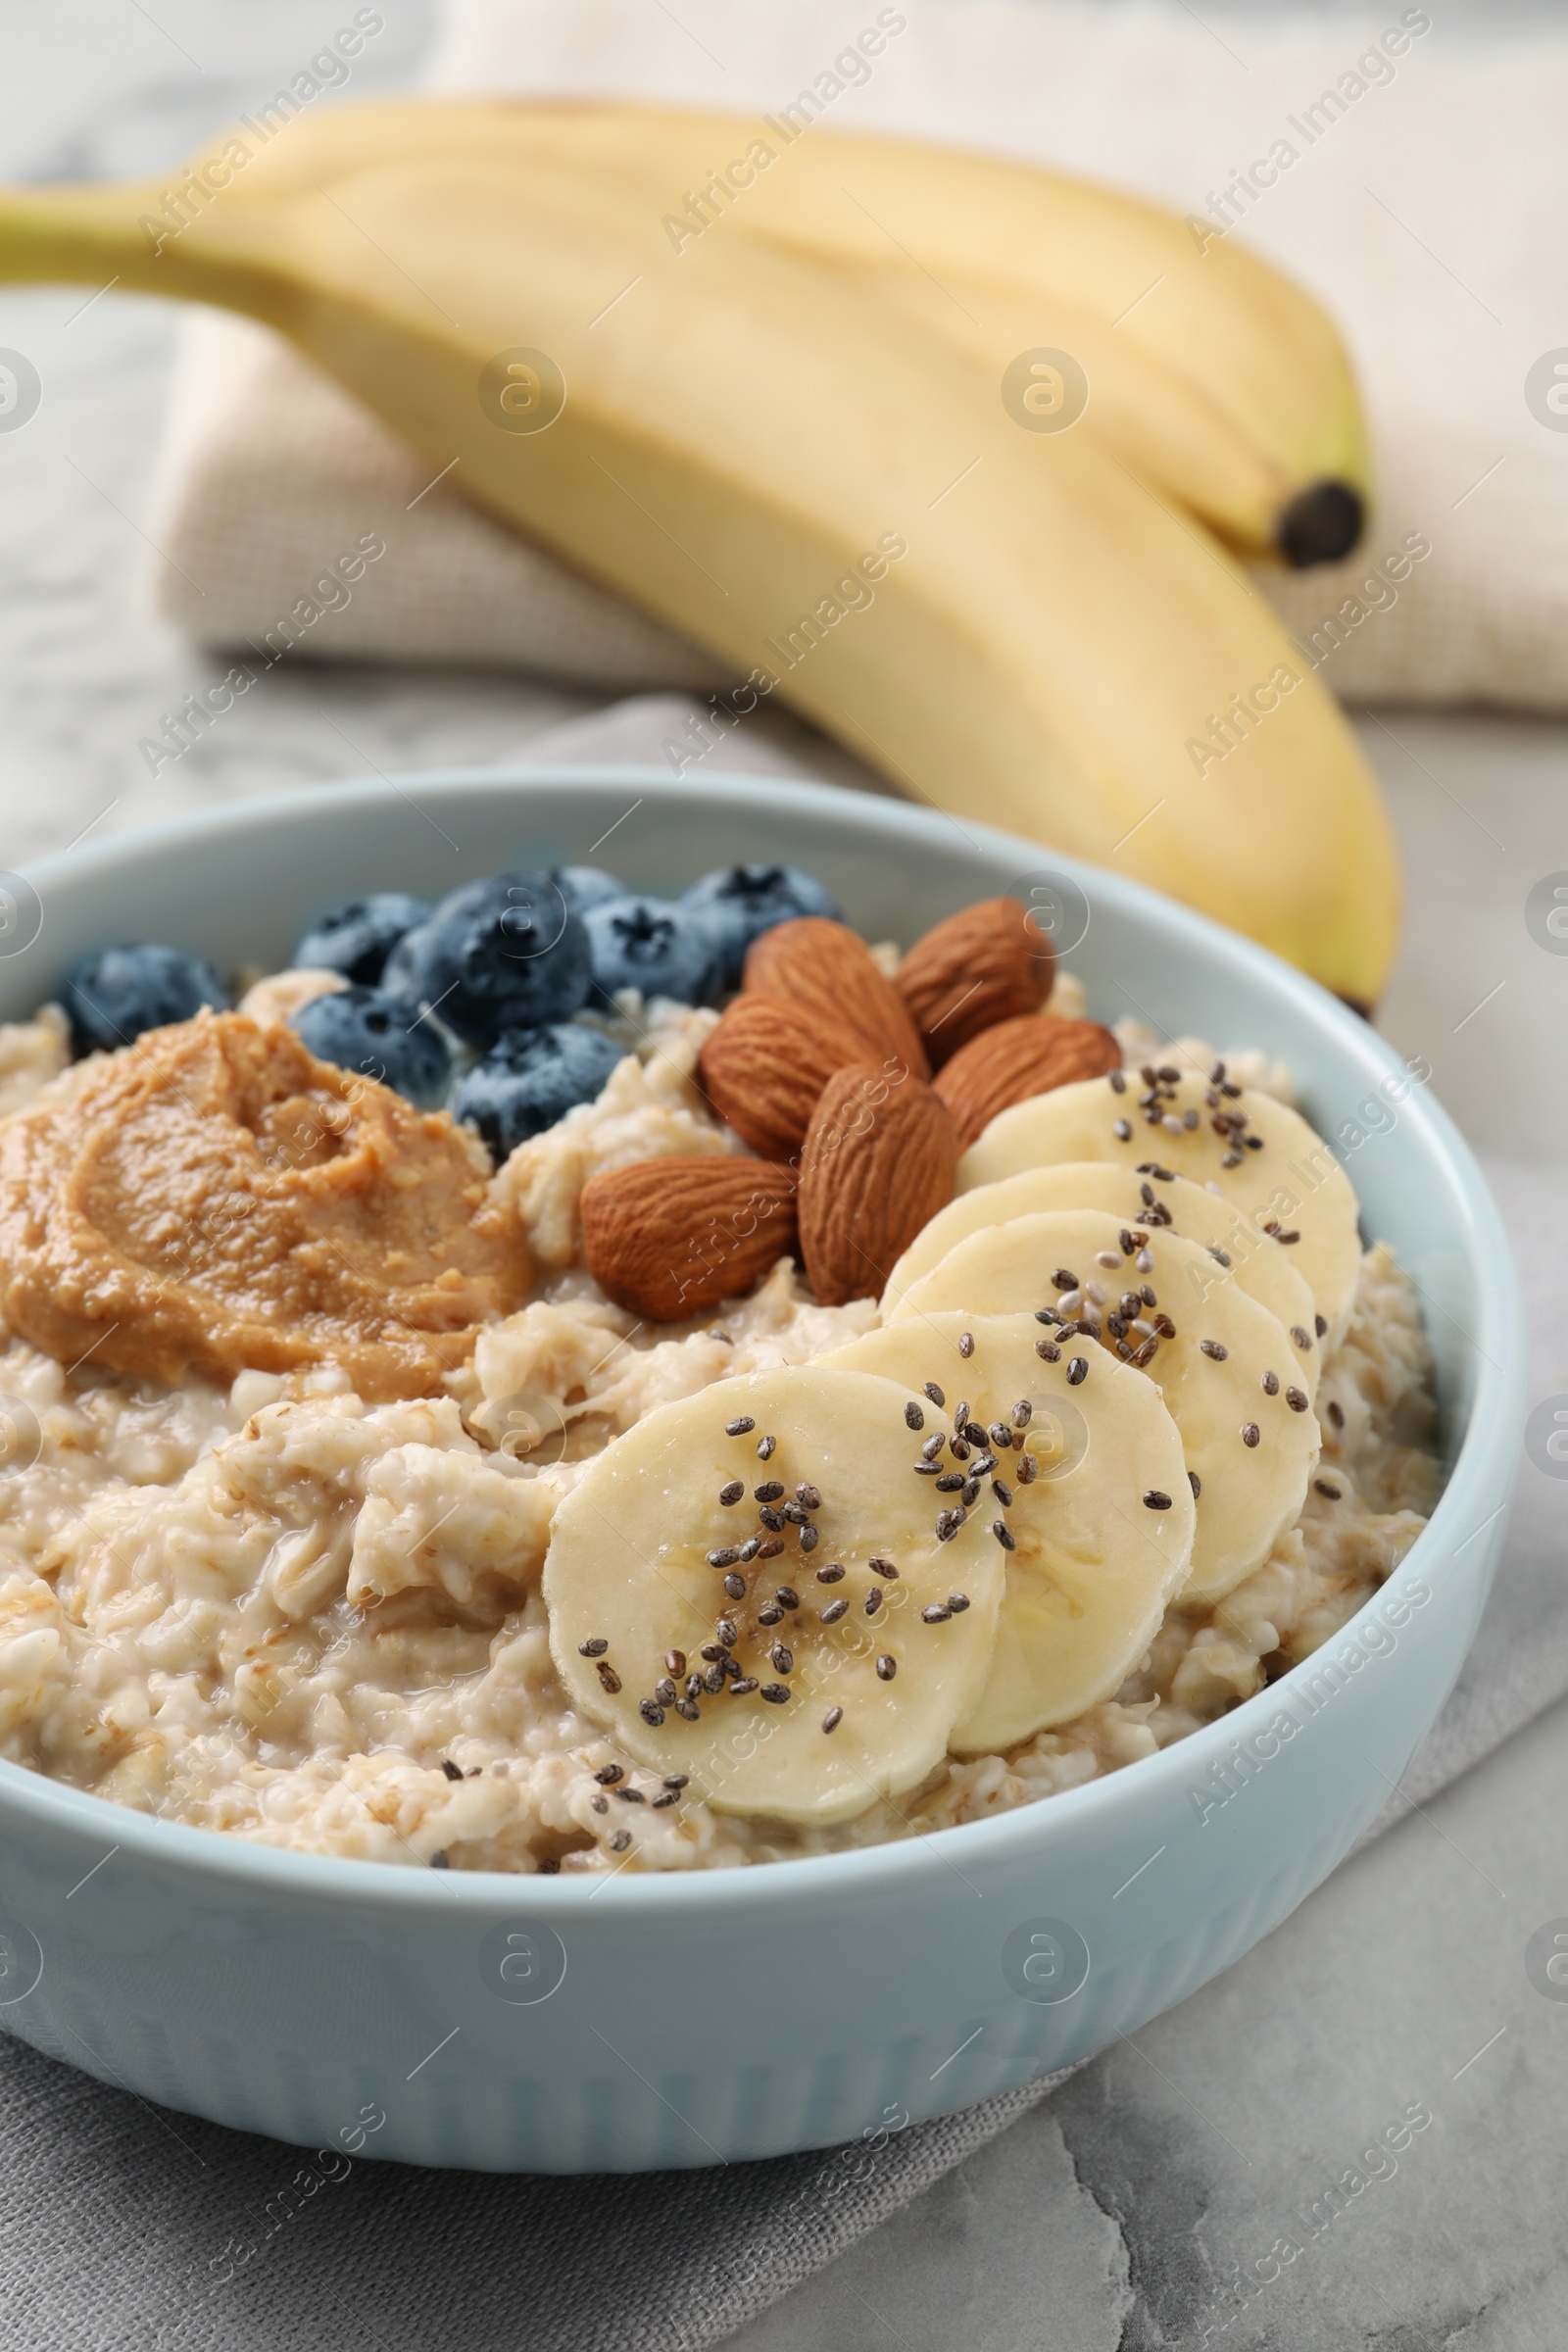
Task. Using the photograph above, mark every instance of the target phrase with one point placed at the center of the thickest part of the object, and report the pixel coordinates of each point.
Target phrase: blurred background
(142, 526)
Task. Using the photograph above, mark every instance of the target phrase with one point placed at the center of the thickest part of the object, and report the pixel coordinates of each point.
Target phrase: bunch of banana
(766, 432)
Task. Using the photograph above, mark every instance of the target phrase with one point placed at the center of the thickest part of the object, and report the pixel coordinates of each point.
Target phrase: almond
(828, 970)
(1018, 1058)
(671, 1237)
(765, 1067)
(880, 1158)
(985, 964)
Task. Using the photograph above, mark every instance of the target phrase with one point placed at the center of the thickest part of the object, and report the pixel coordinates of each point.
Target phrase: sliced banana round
(1088, 1484)
(1143, 1202)
(749, 1588)
(1248, 1433)
(1257, 1153)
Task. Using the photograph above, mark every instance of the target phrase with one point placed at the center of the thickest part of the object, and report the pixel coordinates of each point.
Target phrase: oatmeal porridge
(363, 1496)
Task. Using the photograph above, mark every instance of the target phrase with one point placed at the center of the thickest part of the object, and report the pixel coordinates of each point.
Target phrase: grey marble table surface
(1112, 2216)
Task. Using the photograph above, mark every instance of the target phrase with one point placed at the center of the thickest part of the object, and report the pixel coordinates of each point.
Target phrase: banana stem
(119, 231)
(76, 235)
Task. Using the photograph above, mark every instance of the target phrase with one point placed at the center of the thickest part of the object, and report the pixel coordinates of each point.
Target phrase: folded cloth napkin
(1422, 198)
(396, 2259)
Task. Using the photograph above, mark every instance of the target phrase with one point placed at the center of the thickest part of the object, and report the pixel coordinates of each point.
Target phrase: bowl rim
(1491, 1437)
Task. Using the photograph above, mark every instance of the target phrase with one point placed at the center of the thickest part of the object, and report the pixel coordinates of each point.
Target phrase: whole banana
(1219, 380)
(1012, 624)
(1214, 376)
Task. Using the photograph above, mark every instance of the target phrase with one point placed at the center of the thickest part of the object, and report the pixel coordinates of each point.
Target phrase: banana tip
(1321, 523)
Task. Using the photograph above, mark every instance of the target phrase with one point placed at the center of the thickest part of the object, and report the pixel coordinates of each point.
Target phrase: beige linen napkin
(1424, 203)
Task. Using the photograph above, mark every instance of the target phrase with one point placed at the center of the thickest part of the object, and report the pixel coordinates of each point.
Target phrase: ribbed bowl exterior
(516, 2024)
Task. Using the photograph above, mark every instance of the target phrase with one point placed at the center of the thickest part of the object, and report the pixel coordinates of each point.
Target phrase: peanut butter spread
(214, 1199)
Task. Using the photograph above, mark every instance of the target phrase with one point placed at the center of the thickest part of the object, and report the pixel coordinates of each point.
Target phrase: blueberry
(739, 902)
(113, 995)
(505, 953)
(530, 1078)
(357, 938)
(365, 1030)
(651, 944)
(585, 886)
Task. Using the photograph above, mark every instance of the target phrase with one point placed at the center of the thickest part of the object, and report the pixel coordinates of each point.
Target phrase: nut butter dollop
(212, 1197)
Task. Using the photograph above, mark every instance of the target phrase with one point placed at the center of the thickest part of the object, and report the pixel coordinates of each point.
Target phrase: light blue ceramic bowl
(552, 2025)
